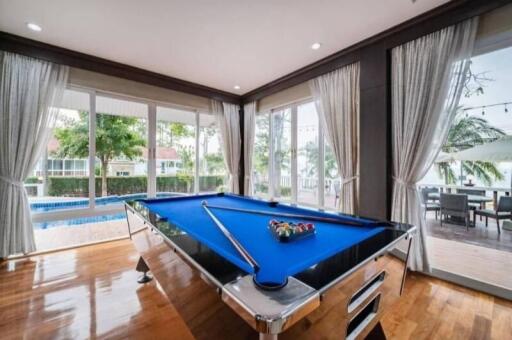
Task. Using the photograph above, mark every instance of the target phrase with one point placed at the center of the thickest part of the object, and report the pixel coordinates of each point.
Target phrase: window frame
(92, 209)
(320, 201)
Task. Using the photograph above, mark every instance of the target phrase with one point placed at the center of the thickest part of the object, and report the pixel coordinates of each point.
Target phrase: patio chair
(428, 206)
(504, 212)
(455, 205)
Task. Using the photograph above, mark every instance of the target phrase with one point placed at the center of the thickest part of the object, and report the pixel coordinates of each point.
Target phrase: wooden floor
(91, 292)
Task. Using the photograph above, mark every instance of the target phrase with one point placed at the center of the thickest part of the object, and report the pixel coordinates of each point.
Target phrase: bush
(79, 186)
(68, 186)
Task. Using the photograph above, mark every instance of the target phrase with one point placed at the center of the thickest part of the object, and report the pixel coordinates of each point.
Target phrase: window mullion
(196, 163)
(271, 168)
(92, 149)
(321, 166)
(293, 152)
(151, 150)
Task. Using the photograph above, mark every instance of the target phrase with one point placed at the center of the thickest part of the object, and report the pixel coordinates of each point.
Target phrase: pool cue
(245, 254)
(303, 217)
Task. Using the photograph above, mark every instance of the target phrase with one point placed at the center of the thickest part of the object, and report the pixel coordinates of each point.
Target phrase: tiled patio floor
(67, 236)
(478, 236)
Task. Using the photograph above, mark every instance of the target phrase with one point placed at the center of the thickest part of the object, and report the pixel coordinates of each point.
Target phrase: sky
(496, 65)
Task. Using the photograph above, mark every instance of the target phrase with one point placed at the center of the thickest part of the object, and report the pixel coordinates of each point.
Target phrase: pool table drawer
(374, 285)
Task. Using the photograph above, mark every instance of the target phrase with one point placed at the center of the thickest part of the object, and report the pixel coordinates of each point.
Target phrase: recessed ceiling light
(236, 87)
(316, 46)
(34, 27)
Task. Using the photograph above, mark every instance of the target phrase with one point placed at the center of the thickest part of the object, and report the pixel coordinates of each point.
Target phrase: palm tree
(466, 132)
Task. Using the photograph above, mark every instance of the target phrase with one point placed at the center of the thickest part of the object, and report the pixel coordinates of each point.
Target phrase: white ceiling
(218, 43)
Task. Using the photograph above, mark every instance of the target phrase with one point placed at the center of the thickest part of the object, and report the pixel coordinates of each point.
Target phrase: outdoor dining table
(479, 199)
(471, 198)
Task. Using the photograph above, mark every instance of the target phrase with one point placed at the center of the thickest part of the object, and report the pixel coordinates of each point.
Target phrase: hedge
(263, 187)
(79, 186)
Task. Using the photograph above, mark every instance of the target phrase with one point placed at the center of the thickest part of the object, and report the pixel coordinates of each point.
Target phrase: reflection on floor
(67, 236)
(91, 292)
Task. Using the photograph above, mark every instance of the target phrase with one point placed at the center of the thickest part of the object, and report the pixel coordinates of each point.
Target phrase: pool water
(82, 203)
(78, 221)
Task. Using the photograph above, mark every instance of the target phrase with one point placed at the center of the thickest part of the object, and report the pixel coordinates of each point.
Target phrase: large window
(260, 168)
(281, 154)
(308, 154)
(108, 149)
(175, 150)
(212, 169)
(292, 160)
(62, 172)
(121, 147)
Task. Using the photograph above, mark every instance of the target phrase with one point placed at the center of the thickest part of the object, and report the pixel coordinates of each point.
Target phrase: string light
(484, 107)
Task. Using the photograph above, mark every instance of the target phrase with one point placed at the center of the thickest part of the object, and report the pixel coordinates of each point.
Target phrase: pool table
(272, 285)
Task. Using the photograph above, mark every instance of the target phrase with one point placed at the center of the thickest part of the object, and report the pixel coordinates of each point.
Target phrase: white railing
(303, 183)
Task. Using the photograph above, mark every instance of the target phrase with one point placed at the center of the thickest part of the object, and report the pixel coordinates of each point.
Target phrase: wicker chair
(504, 212)
(455, 205)
(428, 206)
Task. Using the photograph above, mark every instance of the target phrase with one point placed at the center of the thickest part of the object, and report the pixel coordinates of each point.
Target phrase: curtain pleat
(249, 130)
(30, 92)
(336, 97)
(228, 119)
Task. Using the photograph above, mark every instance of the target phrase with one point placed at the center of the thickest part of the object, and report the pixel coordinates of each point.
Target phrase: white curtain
(249, 130)
(336, 96)
(428, 76)
(228, 119)
(30, 90)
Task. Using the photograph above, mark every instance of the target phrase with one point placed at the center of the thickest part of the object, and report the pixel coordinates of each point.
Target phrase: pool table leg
(404, 275)
(143, 267)
(267, 336)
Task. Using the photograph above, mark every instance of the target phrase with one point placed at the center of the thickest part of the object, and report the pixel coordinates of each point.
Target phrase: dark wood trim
(241, 169)
(59, 55)
(428, 22)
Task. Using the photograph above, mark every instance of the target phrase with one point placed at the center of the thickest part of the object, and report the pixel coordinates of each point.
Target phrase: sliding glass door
(292, 161)
(121, 152)
(175, 154)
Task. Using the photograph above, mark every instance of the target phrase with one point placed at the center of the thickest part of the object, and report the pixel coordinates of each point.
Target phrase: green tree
(467, 132)
(311, 152)
(116, 136)
(168, 134)
(262, 145)
(214, 163)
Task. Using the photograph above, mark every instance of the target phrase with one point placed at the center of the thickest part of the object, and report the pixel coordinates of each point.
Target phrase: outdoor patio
(479, 253)
(478, 236)
(68, 236)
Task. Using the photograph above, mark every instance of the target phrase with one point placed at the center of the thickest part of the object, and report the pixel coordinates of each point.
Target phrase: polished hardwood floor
(84, 293)
(91, 292)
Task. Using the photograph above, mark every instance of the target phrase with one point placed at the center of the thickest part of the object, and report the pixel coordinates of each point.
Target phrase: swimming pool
(79, 221)
(41, 207)
(81, 203)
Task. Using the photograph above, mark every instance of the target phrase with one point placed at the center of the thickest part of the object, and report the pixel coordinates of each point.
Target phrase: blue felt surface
(277, 260)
